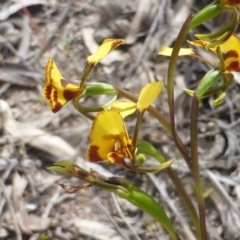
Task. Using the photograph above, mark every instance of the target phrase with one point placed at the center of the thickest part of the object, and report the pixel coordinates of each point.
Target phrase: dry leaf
(35, 137)
(95, 229)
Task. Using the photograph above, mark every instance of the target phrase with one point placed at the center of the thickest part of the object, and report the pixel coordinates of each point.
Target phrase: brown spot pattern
(57, 104)
(115, 44)
(93, 155)
(230, 54)
(69, 95)
(48, 91)
(118, 158)
(233, 67)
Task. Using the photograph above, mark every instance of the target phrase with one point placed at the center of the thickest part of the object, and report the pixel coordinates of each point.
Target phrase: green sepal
(98, 108)
(219, 100)
(188, 91)
(207, 82)
(224, 30)
(145, 202)
(148, 149)
(148, 169)
(205, 14)
(99, 89)
(65, 167)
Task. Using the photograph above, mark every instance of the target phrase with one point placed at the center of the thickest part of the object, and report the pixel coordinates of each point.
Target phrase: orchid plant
(109, 139)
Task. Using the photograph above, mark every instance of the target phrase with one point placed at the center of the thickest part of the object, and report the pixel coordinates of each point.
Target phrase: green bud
(141, 159)
(205, 14)
(207, 82)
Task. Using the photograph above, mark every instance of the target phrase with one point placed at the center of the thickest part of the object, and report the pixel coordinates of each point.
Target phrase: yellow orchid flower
(109, 138)
(230, 50)
(59, 90)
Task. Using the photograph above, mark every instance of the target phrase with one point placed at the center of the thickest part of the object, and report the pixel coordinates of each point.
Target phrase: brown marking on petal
(230, 54)
(93, 155)
(57, 104)
(117, 157)
(116, 43)
(57, 107)
(47, 92)
(69, 95)
(233, 67)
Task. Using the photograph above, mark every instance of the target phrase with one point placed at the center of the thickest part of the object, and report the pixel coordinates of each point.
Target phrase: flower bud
(207, 82)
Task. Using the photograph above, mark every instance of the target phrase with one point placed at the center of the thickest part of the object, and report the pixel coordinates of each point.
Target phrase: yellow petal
(124, 108)
(107, 135)
(99, 152)
(231, 53)
(107, 46)
(166, 51)
(148, 94)
(230, 50)
(201, 43)
(57, 89)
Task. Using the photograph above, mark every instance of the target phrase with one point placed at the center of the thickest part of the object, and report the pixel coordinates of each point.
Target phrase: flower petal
(148, 94)
(98, 151)
(201, 43)
(229, 49)
(108, 135)
(107, 46)
(125, 108)
(167, 51)
(231, 53)
(57, 89)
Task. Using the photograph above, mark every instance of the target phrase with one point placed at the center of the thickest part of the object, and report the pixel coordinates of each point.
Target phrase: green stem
(152, 151)
(195, 165)
(170, 82)
(137, 128)
(182, 193)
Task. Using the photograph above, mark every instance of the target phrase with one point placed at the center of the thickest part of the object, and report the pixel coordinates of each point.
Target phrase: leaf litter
(31, 202)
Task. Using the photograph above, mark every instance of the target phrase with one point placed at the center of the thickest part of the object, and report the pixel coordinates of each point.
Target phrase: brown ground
(31, 202)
